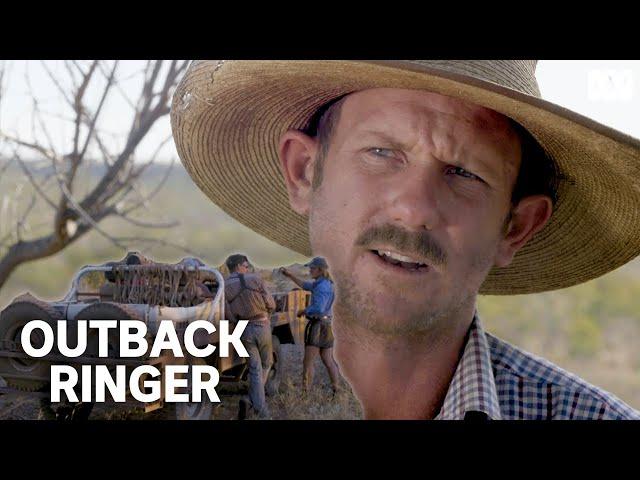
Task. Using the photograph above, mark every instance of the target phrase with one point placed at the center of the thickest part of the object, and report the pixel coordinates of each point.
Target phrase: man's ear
(528, 217)
(297, 153)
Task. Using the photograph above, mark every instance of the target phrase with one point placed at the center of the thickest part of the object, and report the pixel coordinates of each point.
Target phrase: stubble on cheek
(323, 234)
(332, 224)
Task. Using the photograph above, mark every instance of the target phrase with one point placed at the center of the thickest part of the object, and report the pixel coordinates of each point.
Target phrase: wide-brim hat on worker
(228, 116)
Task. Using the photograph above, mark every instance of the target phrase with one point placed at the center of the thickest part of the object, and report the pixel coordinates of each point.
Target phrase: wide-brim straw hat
(228, 116)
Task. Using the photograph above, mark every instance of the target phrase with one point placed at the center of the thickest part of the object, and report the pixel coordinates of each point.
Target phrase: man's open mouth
(401, 261)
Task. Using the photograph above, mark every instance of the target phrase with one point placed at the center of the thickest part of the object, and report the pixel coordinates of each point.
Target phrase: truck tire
(12, 320)
(272, 386)
(202, 410)
(195, 410)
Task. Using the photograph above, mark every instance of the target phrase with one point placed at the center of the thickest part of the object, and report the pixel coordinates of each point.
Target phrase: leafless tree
(74, 212)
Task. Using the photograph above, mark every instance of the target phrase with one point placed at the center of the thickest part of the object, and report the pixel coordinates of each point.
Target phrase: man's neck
(403, 377)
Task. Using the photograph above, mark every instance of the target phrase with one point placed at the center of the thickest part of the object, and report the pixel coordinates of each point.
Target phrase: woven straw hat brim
(227, 119)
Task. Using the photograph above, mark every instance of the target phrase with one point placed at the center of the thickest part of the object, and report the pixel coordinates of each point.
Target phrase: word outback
(133, 344)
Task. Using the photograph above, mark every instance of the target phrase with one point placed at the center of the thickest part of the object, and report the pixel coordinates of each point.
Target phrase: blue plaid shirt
(507, 383)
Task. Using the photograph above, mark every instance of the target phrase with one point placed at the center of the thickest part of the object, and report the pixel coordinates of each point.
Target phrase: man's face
(314, 272)
(415, 192)
(243, 268)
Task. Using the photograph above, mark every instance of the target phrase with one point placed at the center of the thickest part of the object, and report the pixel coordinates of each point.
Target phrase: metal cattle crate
(135, 288)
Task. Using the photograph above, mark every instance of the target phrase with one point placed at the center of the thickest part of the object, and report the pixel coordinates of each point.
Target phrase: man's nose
(415, 199)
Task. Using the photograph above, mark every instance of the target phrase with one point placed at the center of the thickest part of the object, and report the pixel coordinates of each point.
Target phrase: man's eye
(382, 152)
(462, 172)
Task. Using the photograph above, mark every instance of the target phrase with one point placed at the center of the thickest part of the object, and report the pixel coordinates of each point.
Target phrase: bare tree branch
(79, 107)
(55, 81)
(21, 222)
(36, 116)
(86, 217)
(154, 192)
(78, 67)
(115, 193)
(145, 118)
(116, 83)
(136, 73)
(72, 74)
(147, 89)
(107, 157)
(35, 184)
(135, 174)
(92, 123)
(50, 154)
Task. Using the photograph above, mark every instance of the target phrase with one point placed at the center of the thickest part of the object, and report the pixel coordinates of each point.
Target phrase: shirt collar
(473, 386)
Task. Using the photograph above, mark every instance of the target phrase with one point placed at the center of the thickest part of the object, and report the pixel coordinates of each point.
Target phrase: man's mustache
(420, 244)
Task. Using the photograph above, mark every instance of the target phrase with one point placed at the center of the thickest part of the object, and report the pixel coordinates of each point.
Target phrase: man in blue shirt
(318, 336)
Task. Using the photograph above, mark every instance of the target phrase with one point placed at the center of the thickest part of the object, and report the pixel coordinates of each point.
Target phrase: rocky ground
(288, 404)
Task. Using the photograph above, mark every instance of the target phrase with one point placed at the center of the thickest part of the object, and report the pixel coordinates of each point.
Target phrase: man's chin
(383, 322)
(378, 312)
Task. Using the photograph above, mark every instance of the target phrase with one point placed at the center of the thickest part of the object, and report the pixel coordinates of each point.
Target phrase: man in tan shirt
(248, 299)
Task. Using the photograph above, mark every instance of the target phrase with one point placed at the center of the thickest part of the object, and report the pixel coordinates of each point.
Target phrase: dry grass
(318, 404)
